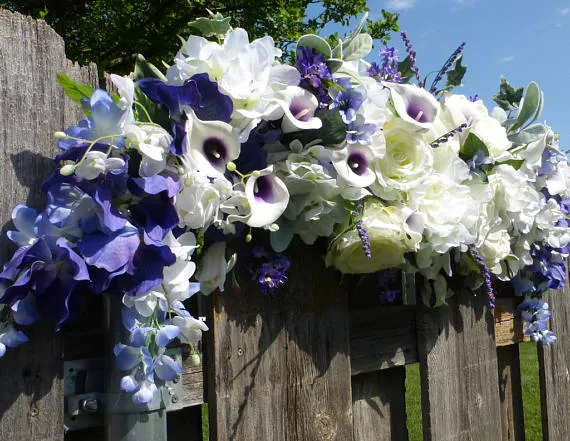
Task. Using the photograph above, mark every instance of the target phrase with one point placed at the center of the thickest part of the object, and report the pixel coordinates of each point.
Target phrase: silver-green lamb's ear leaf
(529, 134)
(317, 43)
(356, 31)
(334, 64)
(529, 105)
(359, 47)
(215, 25)
(144, 69)
(337, 51)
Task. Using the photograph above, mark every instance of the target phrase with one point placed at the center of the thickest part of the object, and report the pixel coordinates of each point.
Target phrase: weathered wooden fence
(309, 364)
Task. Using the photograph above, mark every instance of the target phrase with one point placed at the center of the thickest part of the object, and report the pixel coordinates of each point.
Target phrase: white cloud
(507, 59)
(401, 4)
(564, 11)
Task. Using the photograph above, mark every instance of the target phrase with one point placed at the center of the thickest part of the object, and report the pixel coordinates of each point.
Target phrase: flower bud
(67, 170)
(60, 135)
(195, 359)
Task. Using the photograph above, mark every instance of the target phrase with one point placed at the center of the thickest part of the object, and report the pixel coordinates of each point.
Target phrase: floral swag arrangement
(159, 176)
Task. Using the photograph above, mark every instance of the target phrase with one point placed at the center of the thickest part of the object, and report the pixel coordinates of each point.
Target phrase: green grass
(530, 387)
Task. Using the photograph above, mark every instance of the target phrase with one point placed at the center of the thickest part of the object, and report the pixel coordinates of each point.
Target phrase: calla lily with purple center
(414, 105)
(299, 108)
(354, 167)
(267, 196)
(210, 146)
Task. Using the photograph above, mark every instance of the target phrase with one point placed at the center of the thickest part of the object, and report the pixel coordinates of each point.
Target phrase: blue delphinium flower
(145, 357)
(348, 99)
(535, 312)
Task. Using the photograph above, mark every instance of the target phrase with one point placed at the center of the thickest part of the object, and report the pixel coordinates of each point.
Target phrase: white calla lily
(267, 196)
(210, 145)
(414, 105)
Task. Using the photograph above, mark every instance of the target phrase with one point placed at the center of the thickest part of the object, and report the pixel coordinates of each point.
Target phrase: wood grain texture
(554, 368)
(379, 406)
(280, 367)
(458, 370)
(508, 322)
(382, 338)
(32, 108)
(510, 392)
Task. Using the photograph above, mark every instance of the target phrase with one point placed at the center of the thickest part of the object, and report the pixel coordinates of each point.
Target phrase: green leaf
(455, 76)
(75, 91)
(514, 163)
(158, 114)
(472, 145)
(332, 132)
(529, 105)
(405, 69)
(334, 64)
(529, 134)
(359, 47)
(508, 97)
(216, 25)
(317, 43)
(144, 69)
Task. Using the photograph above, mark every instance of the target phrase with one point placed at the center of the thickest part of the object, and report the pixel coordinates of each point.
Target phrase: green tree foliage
(111, 32)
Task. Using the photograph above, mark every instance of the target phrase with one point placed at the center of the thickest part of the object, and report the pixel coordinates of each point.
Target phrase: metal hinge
(86, 401)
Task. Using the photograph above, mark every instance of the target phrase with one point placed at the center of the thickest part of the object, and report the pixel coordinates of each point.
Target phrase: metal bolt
(176, 379)
(174, 399)
(240, 352)
(90, 405)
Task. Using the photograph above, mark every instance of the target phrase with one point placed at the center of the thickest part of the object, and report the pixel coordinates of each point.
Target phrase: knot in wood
(325, 426)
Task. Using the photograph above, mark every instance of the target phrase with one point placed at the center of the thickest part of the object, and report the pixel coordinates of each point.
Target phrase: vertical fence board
(379, 405)
(280, 362)
(554, 362)
(32, 107)
(458, 369)
(510, 390)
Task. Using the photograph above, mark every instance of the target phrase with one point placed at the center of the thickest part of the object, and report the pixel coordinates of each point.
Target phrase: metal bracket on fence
(86, 401)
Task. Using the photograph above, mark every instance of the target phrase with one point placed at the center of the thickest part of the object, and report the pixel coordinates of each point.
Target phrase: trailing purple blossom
(447, 136)
(534, 311)
(446, 66)
(412, 56)
(486, 275)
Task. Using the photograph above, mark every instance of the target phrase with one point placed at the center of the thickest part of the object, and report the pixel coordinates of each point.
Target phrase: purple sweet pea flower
(197, 92)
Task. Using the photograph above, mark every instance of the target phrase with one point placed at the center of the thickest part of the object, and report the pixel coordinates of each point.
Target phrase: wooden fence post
(458, 369)
(32, 107)
(281, 370)
(554, 363)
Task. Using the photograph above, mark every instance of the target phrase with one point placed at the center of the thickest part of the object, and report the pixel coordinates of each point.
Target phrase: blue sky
(524, 40)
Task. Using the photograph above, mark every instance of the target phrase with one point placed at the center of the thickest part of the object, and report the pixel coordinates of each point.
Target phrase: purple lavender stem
(486, 275)
(446, 67)
(412, 55)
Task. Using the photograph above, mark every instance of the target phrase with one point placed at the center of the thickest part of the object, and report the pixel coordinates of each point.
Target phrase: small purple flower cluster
(534, 311)
(269, 269)
(314, 73)
(389, 69)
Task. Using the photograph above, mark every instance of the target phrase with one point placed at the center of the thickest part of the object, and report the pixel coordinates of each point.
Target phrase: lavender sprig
(446, 66)
(362, 231)
(412, 55)
(447, 136)
(486, 275)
